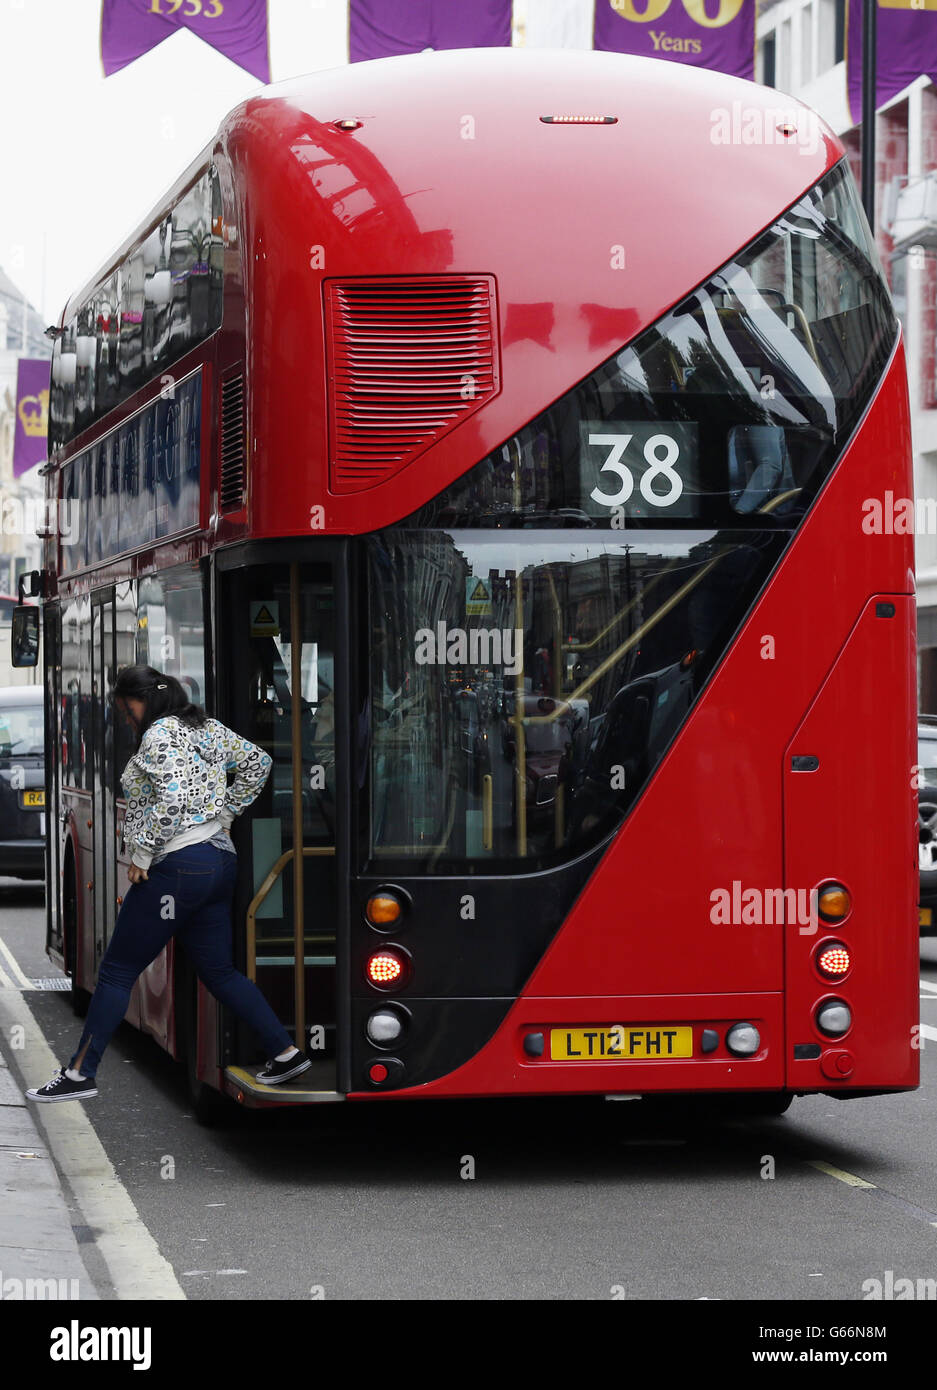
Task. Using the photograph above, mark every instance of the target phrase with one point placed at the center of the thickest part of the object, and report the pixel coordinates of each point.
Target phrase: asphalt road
(568, 1200)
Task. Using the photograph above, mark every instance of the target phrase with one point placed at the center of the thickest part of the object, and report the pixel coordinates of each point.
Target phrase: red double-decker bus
(492, 439)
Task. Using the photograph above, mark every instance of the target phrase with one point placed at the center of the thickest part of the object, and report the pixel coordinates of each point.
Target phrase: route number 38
(660, 454)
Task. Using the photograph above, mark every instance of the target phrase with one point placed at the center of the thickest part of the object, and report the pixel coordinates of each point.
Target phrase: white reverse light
(743, 1039)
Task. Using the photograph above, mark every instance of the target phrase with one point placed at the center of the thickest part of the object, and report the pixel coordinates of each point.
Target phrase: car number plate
(925, 916)
(34, 798)
(619, 1041)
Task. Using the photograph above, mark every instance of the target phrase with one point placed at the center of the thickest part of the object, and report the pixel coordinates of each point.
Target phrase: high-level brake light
(579, 120)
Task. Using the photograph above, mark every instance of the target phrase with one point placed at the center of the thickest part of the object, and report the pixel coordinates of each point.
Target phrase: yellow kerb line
(849, 1179)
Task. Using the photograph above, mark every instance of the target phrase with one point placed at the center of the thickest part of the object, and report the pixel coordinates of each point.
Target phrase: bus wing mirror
(29, 585)
(26, 636)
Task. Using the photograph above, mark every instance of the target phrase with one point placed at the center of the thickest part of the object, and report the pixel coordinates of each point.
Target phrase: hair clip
(161, 686)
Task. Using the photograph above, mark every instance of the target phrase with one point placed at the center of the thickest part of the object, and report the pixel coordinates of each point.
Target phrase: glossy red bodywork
(452, 171)
(591, 233)
(640, 945)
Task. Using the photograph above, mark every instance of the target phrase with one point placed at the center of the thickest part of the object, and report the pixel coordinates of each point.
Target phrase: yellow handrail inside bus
(260, 895)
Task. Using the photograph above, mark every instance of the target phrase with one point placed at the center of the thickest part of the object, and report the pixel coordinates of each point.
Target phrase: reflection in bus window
(164, 297)
(759, 466)
(524, 732)
(738, 401)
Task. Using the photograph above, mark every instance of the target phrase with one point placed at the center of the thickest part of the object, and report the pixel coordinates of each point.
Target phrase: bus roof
(662, 108)
(575, 237)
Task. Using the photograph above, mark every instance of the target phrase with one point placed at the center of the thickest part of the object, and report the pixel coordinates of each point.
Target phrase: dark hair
(161, 695)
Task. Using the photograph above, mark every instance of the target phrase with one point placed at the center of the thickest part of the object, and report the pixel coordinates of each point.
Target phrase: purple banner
(906, 48)
(32, 413)
(718, 34)
(382, 28)
(237, 28)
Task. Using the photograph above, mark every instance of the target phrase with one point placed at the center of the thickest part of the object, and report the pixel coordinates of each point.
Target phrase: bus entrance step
(314, 1085)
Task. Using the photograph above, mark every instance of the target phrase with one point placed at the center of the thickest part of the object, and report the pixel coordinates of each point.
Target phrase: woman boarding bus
(183, 871)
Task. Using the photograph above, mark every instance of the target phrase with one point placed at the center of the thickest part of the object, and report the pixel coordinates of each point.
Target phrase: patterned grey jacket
(177, 779)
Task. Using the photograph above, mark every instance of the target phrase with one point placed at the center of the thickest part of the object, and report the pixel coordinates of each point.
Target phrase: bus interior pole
(296, 710)
(869, 66)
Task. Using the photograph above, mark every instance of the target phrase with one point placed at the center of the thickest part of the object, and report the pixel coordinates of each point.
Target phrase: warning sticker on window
(477, 597)
(265, 618)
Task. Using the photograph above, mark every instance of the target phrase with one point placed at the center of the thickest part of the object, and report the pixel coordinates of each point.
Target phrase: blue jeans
(187, 894)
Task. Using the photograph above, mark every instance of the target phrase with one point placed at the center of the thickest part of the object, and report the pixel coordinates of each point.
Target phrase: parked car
(927, 823)
(22, 781)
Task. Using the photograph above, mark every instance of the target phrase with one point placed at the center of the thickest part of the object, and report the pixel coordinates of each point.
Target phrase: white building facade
(801, 51)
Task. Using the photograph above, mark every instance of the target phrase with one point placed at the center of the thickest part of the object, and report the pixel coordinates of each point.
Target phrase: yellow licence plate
(925, 916)
(34, 798)
(616, 1042)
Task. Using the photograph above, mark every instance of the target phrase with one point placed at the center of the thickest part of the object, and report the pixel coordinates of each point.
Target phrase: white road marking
(931, 988)
(23, 983)
(136, 1267)
(5, 981)
(928, 1031)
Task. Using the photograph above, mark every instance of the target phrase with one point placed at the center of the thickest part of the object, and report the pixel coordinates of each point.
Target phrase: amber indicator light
(834, 902)
(383, 909)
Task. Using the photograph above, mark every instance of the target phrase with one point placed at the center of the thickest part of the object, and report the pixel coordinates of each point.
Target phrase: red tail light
(833, 960)
(387, 969)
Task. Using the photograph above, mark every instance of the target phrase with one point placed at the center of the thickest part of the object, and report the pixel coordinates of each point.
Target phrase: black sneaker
(274, 1072)
(62, 1087)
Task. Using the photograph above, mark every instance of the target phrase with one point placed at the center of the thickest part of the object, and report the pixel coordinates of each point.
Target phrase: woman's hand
(135, 874)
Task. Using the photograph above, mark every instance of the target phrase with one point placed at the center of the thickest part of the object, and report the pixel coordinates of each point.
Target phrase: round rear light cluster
(385, 1027)
(743, 1039)
(834, 902)
(834, 1018)
(384, 910)
(386, 969)
(833, 960)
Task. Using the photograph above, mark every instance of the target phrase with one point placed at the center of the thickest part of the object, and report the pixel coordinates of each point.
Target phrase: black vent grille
(233, 445)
